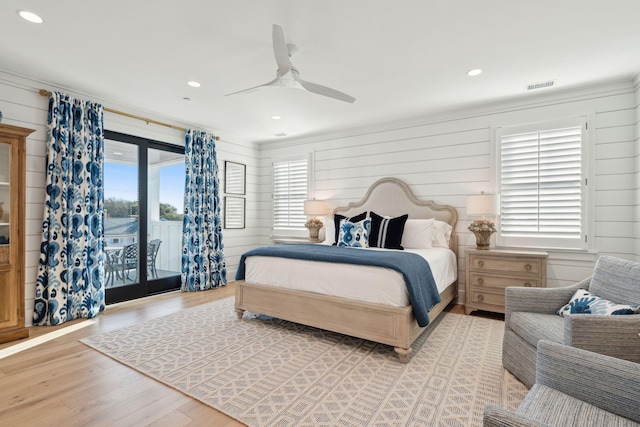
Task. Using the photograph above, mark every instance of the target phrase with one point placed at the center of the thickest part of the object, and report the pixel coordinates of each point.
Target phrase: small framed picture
(234, 210)
(235, 178)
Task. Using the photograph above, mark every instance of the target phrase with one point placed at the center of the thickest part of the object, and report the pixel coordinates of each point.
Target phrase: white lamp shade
(482, 204)
(314, 207)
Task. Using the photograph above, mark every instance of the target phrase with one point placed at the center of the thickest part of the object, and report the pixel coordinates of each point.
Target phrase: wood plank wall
(449, 157)
(442, 157)
(21, 105)
(636, 181)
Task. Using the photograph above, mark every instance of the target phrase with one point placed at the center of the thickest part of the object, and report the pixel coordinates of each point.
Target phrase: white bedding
(358, 282)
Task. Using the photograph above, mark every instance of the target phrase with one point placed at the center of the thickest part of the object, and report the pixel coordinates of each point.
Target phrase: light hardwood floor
(63, 382)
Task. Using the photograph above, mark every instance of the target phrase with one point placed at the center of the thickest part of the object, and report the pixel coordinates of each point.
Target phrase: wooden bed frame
(394, 326)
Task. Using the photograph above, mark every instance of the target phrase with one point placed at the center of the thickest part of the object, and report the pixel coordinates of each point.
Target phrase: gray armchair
(575, 387)
(530, 316)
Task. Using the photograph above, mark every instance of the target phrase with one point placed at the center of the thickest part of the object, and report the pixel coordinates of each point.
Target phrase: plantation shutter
(541, 184)
(290, 180)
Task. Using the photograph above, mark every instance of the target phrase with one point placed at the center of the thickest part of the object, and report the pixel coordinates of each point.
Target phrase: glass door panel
(6, 276)
(165, 198)
(122, 215)
(5, 201)
(144, 181)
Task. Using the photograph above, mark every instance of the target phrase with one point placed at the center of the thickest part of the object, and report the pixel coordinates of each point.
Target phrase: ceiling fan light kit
(287, 75)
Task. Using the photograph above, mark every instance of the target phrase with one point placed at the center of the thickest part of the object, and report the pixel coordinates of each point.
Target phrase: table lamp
(482, 204)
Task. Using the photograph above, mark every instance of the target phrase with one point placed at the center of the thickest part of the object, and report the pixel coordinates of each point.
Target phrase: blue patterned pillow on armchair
(354, 234)
(585, 302)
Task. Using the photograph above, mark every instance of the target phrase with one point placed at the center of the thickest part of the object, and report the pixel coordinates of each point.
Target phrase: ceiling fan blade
(271, 83)
(326, 91)
(280, 50)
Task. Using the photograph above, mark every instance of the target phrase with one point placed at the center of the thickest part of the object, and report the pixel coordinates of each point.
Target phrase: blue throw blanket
(421, 286)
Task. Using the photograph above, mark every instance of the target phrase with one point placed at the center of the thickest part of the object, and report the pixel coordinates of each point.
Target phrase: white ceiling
(401, 59)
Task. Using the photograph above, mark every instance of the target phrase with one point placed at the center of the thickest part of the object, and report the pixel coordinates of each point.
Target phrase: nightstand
(490, 271)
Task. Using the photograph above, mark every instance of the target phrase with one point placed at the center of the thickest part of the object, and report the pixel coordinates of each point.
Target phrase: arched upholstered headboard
(393, 197)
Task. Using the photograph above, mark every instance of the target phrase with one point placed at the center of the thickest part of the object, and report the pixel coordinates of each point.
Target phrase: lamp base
(314, 230)
(483, 239)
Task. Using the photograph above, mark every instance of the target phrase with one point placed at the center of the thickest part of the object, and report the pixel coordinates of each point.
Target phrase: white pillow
(417, 233)
(329, 231)
(440, 234)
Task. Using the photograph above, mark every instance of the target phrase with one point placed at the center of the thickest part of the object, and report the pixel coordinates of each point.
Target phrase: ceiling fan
(288, 76)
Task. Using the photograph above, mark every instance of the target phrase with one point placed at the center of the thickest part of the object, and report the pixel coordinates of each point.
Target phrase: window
(290, 190)
(542, 185)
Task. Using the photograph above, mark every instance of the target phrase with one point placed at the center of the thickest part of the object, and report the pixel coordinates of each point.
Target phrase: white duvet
(358, 282)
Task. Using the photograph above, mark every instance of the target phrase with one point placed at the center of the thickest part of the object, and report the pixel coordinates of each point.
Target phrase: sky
(172, 186)
(121, 182)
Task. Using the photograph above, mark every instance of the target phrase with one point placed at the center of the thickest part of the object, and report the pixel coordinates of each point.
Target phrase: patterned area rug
(270, 372)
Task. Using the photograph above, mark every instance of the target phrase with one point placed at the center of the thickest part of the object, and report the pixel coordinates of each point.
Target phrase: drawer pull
(480, 280)
(480, 263)
(527, 284)
(527, 267)
(480, 297)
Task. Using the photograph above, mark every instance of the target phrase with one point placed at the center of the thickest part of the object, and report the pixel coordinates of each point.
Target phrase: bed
(384, 320)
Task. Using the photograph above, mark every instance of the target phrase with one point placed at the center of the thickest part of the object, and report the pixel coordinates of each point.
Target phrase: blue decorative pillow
(585, 302)
(337, 219)
(354, 234)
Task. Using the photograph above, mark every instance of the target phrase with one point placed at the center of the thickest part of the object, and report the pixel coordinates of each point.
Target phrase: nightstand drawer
(482, 297)
(514, 265)
(497, 281)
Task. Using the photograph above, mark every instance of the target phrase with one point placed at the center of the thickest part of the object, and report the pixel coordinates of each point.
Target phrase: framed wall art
(234, 212)
(235, 178)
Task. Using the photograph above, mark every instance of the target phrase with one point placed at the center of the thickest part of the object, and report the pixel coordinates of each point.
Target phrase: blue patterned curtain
(203, 262)
(71, 274)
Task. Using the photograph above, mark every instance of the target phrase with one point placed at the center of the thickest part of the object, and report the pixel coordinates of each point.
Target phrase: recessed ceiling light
(474, 72)
(30, 16)
(193, 84)
(117, 153)
(276, 117)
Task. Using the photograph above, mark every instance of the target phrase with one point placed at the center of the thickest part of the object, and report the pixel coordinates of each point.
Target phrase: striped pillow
(387, 232)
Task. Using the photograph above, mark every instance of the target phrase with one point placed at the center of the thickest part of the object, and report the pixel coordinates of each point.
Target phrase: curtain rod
(45, 92)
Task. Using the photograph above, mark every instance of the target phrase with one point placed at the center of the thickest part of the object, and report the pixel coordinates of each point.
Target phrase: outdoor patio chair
(152, 254)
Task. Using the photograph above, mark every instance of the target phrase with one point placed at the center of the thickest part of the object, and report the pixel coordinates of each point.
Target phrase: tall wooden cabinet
(12, 231)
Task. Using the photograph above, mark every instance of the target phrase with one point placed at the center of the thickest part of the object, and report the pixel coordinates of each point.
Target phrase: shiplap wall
(636, 186)
(450, 157)
(21, 105)
(444, 158)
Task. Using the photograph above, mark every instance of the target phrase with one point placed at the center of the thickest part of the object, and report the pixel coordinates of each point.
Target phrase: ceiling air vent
(540, 85)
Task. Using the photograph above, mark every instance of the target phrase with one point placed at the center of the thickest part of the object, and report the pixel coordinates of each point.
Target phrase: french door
(143, 201)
